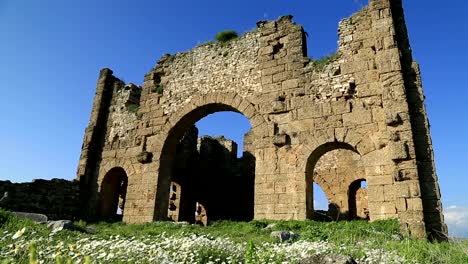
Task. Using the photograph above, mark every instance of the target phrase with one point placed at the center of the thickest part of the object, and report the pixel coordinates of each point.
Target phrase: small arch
(328, 187)
(113, 192)
(358, 200)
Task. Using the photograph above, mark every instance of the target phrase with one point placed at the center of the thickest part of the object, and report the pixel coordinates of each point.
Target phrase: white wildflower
(19, 233)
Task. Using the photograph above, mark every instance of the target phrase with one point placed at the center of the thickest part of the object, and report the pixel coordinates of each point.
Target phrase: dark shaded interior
(207, 173)
(113, 188)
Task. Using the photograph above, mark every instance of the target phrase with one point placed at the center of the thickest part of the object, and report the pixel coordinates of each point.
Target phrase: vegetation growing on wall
(133, 108)
(158, 88)
(225, 36)
(320, 63)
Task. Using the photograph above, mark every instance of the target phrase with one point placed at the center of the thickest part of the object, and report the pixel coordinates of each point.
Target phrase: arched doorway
(333, 166)
(208, 171)
(112, 194)
(358, 201)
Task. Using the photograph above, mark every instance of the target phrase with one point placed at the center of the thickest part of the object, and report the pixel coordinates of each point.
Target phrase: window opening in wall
(321, 204)
(358, 200)
(363, 184)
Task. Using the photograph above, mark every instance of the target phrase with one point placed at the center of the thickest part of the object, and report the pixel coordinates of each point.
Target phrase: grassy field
(23, 241)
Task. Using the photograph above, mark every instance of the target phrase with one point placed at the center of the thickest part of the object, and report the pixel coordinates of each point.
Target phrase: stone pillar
(279, 188)
(417, 192)
(93, 143)
(429, 186)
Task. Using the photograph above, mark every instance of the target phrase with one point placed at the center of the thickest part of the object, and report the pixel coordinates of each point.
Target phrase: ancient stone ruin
(355, 124)
(56, 198)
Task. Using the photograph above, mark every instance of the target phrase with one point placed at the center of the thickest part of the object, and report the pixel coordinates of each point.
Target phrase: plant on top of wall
(324, 61)
(225, 36)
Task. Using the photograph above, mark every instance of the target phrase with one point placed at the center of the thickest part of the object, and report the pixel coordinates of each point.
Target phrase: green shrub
(319, 64)
(158, 88)
(225, 36)
(133, 108)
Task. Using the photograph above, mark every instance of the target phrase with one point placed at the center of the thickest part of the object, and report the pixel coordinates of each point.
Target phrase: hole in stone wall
(351, 90)
(363, 184)
(358, 200)
(277, 47)
(275, 129)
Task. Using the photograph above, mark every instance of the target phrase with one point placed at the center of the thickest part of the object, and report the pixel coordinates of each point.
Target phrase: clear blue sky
(51, 53)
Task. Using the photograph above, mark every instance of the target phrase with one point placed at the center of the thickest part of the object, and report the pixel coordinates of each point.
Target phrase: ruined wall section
(94, 142)
(56, 198)
(359, 99)
(383, 116)
(178, 82)
(430, 191)
(123, 117)
(208, 68)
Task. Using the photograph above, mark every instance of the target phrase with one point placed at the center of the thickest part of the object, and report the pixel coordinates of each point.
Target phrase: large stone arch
(312, 160)
(180, 122)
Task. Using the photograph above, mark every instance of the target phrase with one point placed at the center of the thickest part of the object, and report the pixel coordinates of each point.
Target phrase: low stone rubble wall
(56, 198)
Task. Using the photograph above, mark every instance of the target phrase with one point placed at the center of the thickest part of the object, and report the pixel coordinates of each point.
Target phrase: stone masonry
(360, 117)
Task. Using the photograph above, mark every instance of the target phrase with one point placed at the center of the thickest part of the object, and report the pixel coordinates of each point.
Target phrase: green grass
(351, 238)
(320, 64)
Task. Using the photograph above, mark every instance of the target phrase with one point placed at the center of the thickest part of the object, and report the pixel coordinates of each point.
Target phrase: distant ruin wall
(56, 198)
(208, 173)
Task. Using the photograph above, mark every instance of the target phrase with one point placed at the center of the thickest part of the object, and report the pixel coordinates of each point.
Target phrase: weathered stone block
(357, 118)
(392, 119)
(144, 157)
(398, 151)
(414, 204)
(278, 106)
(281, 140)
(289, 84)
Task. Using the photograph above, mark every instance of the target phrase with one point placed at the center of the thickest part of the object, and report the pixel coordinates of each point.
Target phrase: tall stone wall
(56, 198)
(367, 100)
